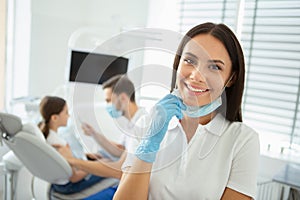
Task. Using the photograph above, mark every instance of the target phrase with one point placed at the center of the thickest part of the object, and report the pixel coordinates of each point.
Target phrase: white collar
(136, 117)
(216, 126)
(138, 114)
(52, 131)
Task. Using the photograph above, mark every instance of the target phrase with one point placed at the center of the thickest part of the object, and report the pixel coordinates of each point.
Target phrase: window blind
(296, 135)
(271, 43)
(193, 12)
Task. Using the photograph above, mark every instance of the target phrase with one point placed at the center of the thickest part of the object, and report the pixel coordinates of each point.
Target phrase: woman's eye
(189, 61)
(214, 67)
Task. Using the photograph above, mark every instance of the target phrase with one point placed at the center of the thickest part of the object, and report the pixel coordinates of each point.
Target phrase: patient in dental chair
(54, 111)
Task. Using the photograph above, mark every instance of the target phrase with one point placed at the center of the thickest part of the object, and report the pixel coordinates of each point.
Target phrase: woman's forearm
(134, 183)
(99, 168)
(230, 194)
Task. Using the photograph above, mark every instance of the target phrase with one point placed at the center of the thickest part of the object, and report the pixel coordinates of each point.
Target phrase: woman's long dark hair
(234, 93)
(49, 106)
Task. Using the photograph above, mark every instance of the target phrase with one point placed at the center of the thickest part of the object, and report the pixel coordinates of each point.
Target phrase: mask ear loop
(230, 78)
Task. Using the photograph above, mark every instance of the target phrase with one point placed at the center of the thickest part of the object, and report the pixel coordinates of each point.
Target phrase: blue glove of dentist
(161, 115)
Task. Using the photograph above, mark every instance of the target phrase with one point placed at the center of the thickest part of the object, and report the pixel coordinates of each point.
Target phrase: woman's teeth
(195, 89)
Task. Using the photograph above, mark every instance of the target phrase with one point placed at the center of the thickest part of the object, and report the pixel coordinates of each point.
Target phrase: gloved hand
(161, 115)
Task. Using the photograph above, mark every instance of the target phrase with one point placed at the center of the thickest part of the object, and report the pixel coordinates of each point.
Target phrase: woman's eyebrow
(216, 61)
(210, 61)
(191, 54)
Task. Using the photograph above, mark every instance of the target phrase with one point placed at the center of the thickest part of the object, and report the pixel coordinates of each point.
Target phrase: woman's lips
(196, 90)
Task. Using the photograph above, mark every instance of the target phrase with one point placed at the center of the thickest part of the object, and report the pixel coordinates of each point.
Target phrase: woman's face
(204, 69)
(64, 116)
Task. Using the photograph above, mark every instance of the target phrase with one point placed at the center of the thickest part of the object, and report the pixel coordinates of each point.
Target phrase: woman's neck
(53, 127)
(207, 118)
(190, 125)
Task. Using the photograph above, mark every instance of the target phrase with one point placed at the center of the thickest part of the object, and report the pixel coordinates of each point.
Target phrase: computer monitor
(95, 68)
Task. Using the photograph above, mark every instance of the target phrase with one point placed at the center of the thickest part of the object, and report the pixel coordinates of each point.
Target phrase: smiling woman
(215, 154)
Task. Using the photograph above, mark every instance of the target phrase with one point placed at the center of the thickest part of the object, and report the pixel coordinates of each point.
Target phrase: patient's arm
(77, 175)
(110, 146)
(100, 167)
(65, 151)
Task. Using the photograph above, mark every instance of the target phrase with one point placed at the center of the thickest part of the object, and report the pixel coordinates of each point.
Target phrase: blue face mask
(199, 111)
(113, 112)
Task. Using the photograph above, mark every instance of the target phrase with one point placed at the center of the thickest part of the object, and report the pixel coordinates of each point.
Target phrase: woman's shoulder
(241, 132)
(244, 139)
(53, 138)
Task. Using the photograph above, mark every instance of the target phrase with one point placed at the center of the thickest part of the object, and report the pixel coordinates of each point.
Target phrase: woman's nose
(197, 74)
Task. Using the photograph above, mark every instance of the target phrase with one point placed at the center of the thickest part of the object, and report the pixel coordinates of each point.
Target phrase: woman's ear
(231, 80)
(53, 117)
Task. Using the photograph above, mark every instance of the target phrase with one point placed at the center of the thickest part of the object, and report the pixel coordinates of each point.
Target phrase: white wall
(2, 52)
(42, 32)
(54, 21)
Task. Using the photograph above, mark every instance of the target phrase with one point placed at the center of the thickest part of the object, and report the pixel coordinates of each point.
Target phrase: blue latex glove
(161, 115)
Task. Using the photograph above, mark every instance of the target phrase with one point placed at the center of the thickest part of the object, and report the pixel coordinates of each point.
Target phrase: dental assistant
(197, 146)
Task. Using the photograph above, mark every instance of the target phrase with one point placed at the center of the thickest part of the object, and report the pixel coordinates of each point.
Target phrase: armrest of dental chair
(42, 160)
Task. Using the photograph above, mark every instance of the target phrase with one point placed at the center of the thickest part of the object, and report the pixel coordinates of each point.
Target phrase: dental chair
(45, 164)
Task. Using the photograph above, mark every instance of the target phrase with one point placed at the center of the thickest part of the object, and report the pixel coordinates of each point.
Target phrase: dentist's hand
(161, 115)
(88, 129)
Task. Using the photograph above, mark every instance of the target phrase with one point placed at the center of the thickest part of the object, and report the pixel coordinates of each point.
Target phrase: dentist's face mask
(199, 111)
(112, 111)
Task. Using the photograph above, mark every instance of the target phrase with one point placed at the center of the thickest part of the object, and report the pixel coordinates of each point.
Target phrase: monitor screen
(95, 68)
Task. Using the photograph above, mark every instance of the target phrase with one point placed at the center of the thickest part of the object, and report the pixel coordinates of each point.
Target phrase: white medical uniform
(132, 130)
(220, 154)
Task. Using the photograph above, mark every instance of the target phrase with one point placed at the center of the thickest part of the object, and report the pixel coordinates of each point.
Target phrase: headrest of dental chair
(11, 161)
(34, 130)
(10, 124)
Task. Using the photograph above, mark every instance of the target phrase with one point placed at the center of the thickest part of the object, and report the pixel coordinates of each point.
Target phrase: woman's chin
(191, 103)
(194, 103)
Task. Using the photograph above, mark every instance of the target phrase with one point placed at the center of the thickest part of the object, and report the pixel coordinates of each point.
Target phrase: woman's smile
(197, 90)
